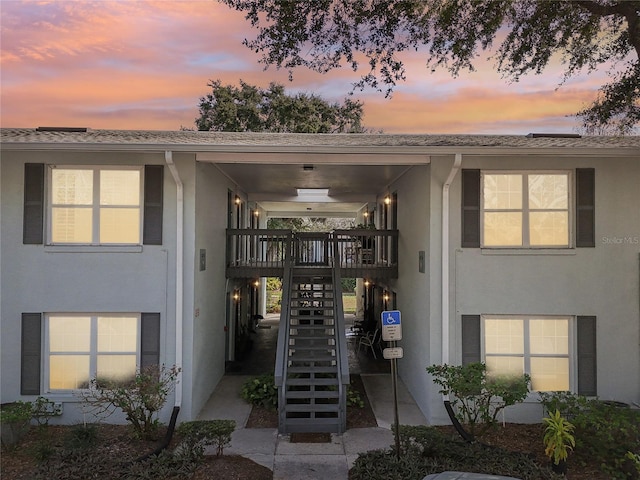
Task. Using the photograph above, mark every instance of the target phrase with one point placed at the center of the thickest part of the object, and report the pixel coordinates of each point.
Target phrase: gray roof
(27, 138)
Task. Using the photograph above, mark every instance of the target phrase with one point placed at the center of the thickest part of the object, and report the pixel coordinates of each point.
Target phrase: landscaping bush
(477, 397)
(425, 450)
(141, 398)
(201, 433)
(604, 431)
(261, 391)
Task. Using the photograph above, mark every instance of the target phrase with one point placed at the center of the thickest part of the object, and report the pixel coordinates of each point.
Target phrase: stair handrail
(282, 350)
(342, 353)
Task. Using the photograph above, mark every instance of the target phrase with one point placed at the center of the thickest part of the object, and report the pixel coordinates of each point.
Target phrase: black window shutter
(471, 339)
(587, 364)
(585, 207)
(150, 339)
(471, 208)
(153, 188)
(31, 354)
(33, 221)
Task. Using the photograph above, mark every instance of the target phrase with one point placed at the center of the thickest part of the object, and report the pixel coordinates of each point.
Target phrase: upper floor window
(95, 205)
(525, 209)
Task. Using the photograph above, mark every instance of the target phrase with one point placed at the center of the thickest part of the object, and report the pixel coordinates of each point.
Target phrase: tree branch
(629, 10)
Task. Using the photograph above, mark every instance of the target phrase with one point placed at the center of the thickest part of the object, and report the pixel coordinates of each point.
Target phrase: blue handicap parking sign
(391, 317)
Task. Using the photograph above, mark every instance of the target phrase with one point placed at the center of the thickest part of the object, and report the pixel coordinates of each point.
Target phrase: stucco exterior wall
(40, 278)
(414, 286)
(208, 316)
(600, 281)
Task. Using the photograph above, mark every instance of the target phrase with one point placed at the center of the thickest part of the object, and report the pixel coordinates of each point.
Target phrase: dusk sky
(144, 65)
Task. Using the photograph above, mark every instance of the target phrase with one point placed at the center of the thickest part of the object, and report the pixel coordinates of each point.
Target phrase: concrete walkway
(311, 461)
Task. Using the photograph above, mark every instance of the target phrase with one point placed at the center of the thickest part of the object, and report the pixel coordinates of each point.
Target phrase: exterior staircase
(312, 371)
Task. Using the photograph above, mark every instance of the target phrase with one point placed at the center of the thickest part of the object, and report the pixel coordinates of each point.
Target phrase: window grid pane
(549, 228)
(502, 229)
(70, 334)
(502, 192)
(119, 225)
(116, 368)
(117, 334)
(549, 336)
(68, 372)
(71, 225)
(504, 336)
(120, 187)
(549, 374)
(549, 192)
(72, 187)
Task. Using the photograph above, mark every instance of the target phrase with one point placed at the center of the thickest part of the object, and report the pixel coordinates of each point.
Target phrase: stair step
(323, 428)
(312, 337)
(309, 326)
(309, 348)
(311, 381)
(313, 407)
(302, 394)
(312, 355)
(326, 369)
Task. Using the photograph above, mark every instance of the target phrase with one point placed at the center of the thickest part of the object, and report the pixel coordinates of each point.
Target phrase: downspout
(445, 290)
(168, 156)
(445, 257)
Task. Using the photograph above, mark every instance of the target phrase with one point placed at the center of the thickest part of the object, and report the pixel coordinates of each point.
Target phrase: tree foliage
(524, 36)
(248, 108)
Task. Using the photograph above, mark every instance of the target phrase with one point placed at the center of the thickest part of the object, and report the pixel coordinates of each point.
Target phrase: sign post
(392, 332)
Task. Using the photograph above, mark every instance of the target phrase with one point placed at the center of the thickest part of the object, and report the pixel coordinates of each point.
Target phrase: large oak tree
(523, 35)
(248, 108)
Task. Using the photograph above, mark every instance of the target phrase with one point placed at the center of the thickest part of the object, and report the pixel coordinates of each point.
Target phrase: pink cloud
(144, 64)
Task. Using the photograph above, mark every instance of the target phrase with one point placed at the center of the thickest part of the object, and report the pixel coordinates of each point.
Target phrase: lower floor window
(538, 345)
(82, 346)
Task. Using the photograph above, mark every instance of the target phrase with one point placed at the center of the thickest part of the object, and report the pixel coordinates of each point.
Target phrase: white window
(539, 346)
(95, 205)
(525, 209)
(82, 347)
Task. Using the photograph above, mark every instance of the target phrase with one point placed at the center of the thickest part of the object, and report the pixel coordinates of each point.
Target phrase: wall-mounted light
(366, 214)
(256, 283)
(256, 213)
(236, 295)
(367, 283)
(387, 200)
(237, 200)
(385, 297)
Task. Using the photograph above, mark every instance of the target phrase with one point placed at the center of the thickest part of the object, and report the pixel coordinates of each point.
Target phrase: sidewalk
(311, 461)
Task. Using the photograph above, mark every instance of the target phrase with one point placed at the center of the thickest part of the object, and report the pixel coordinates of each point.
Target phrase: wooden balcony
(361, 253)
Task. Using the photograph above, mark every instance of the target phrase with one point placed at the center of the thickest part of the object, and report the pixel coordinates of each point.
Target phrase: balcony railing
(358, 252)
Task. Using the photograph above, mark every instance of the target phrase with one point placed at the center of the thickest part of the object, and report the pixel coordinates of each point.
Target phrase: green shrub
(558, 437)
(604, 431)
(353, 398)
(261, 391)
(82, 437)
(425, 450)
(17, 411)
(140, 398)
(478, 397)
(198, 434)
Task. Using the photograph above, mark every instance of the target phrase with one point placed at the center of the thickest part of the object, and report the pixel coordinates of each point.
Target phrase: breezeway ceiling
(274, 186)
